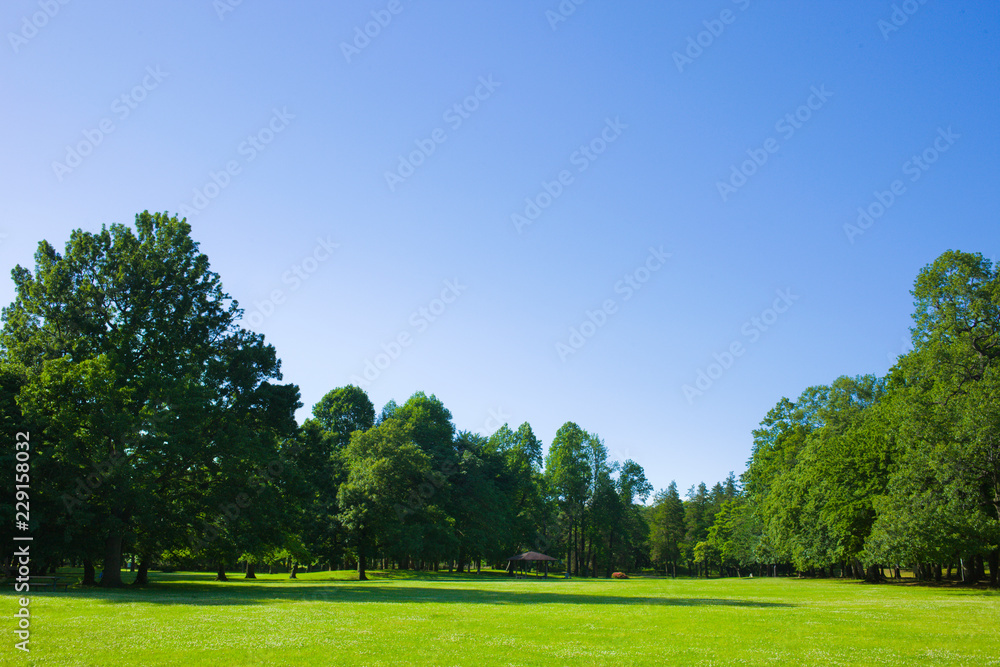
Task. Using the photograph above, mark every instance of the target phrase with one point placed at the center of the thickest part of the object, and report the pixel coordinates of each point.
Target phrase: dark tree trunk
(89, 578)
(111, 574)
(611, 550)
(361, 563)
(295, 570)
(251, 570)
(994, 566)
(142, 576)
(980, 568)
(874, 574)
(221, 574)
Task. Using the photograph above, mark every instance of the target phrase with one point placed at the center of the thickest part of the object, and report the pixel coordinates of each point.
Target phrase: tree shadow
(201, 590)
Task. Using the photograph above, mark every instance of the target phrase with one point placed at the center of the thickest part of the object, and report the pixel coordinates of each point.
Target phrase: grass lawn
(423, 619)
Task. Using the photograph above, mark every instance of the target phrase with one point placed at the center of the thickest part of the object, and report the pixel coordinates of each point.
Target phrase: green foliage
(133, 365)
(165, 433)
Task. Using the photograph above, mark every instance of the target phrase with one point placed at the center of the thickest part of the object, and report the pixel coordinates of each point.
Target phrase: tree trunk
(221, 574)
(994, 566)
(571, 549)
(89, 578)
(111, 574)
(295, 570)
(251, 570)
(361, 563)
(611, 550)
(874, 574)
(142, 576)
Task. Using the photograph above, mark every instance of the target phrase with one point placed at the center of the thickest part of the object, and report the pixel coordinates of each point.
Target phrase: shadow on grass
(200, 590)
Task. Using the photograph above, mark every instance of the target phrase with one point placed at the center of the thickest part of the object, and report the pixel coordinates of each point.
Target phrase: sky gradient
(537, 211)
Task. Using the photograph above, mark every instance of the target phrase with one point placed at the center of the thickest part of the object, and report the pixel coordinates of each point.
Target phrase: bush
(619, 575)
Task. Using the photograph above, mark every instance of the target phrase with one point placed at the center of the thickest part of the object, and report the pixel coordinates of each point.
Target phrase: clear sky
(662, 178)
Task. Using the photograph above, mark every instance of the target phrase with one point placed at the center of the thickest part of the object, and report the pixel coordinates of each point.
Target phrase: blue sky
(618, 123)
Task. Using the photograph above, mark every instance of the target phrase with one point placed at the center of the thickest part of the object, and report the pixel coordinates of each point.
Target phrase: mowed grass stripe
(418, 619)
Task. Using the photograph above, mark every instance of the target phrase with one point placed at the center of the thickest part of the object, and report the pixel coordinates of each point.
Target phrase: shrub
(619, 575)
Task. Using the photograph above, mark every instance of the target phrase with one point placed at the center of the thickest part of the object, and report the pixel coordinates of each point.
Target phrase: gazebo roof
(531, 555)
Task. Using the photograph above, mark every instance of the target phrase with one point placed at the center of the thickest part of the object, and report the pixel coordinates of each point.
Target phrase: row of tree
(874, 473)
(160, 429)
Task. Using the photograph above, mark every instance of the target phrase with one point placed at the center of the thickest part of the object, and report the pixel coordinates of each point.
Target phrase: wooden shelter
(532, 557)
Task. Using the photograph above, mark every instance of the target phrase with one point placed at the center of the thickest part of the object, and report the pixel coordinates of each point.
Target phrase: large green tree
(384, 465)
(944, 497)
(122, 326)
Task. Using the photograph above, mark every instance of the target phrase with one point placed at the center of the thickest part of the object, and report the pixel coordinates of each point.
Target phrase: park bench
(41, 583)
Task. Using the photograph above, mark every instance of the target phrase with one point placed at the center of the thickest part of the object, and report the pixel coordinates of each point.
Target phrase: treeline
(160, 432)
(874, 474)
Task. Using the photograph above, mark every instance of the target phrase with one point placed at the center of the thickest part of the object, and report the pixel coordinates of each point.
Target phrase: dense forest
(162, 435)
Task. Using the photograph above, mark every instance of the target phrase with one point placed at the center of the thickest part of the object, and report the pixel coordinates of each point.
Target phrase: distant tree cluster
(161, 433)
(871, 473)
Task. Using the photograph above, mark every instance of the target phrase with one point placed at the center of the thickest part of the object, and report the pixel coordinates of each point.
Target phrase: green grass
(425, 619)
